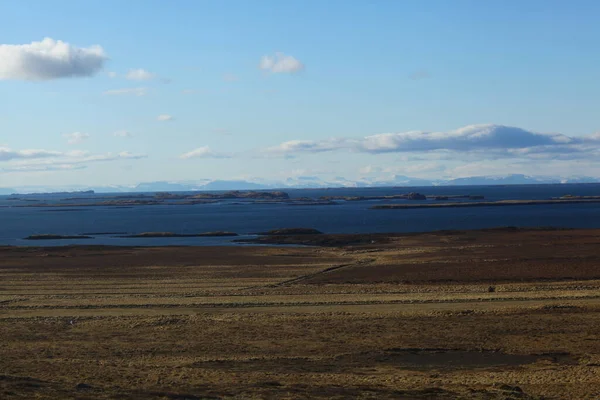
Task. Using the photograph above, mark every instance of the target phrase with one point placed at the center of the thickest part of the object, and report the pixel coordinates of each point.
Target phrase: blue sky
(360, 89)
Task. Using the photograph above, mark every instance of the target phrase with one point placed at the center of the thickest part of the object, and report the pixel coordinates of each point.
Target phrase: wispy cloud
(203, 152)
(139, 75)
(165, 117)
(49, 59)
(138, 91)
(280, 63)
(76, 137)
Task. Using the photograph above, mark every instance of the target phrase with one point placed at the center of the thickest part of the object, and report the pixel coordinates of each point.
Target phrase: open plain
(493, 314)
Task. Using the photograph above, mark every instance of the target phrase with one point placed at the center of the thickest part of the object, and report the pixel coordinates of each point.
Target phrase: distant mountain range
(305, 182)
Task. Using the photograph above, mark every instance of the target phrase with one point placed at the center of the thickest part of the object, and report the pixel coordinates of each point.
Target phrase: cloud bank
(493, 141)
(49, 59)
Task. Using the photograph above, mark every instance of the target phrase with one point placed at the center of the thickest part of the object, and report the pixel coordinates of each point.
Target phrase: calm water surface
(247, 219)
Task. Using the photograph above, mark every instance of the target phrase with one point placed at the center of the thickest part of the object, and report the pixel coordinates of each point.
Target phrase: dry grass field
(496, 314)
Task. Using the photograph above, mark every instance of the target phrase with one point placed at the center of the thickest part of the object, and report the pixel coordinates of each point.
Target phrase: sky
(121, 92)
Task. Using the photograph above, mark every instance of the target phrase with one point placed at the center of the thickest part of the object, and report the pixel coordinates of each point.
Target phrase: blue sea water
(248, 219)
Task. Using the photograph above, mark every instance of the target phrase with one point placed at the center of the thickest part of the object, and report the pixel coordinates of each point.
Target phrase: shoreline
(276, 240)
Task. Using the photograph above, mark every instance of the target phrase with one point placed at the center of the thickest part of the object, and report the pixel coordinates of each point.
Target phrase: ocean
(247, 219)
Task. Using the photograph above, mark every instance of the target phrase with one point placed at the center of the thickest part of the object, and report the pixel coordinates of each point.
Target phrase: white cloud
(188, 91)
(76, 137)
(165, 117)
(280, 63)
(470, 137)
(203, 152)
(492, 141)
(139, 91)
(112, 74)
(123, 134)
(49, 59)
(139, 75)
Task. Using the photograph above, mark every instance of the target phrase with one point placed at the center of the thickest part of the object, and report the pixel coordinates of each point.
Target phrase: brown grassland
(495, 314)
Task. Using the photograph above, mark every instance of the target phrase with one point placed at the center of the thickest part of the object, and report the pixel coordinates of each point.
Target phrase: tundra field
(492, 314)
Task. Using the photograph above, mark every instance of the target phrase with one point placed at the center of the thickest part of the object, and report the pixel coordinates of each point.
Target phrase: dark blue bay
(348, 217)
